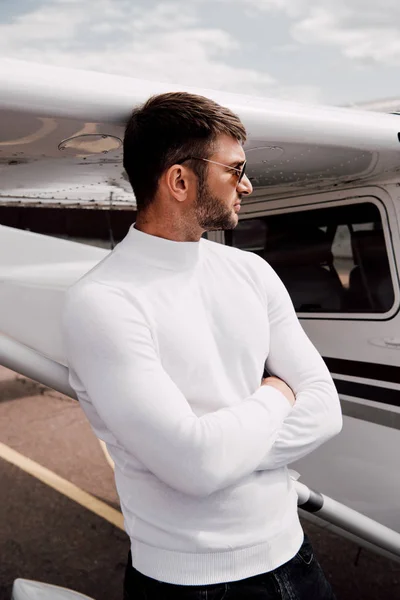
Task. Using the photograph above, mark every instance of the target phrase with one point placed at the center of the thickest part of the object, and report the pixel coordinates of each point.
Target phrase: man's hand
(280, 385)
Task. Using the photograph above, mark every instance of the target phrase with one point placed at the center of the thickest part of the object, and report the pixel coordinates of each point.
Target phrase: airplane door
(337, 258)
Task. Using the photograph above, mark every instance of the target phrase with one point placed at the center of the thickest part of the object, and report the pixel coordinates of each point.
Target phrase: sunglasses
(240, 171)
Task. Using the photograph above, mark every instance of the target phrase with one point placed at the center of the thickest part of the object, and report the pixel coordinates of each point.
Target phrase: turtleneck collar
(161, 252)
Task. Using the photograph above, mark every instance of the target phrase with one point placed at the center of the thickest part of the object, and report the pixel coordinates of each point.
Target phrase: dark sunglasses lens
(242, 173)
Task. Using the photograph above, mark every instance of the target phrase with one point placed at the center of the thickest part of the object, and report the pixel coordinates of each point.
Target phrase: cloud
(365, 31)
(361, 35)
(293, 8)
(165, 42)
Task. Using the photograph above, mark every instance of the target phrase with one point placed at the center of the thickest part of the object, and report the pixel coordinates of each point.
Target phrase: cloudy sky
(330, 51)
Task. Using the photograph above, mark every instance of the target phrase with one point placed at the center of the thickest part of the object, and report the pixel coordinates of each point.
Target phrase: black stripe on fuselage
(365, 391)
(358, 368)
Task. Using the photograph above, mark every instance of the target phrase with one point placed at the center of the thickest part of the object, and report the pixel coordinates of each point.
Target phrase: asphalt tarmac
(47, 536)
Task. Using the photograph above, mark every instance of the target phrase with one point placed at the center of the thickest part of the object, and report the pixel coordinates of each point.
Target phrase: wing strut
(361, 528)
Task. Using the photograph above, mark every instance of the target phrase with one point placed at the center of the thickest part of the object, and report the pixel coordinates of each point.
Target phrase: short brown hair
(168, 128)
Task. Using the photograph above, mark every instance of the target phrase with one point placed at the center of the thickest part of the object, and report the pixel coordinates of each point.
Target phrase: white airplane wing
(61, 132)
(35, 270)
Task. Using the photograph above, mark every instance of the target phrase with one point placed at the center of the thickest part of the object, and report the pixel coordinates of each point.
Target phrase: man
(167, 339)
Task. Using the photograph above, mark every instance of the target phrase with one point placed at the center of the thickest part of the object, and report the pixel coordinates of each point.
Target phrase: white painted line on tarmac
(62, 486)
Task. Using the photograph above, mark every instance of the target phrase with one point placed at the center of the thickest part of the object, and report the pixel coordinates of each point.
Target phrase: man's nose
(245, 186)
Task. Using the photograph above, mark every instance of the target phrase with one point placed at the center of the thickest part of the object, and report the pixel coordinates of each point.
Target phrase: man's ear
(177, 180)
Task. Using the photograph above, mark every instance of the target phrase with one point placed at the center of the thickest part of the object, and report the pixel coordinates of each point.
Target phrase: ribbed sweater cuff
(279, 402)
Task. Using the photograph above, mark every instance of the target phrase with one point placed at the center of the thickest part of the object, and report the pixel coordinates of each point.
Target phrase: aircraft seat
(303, 260)
(370, 283)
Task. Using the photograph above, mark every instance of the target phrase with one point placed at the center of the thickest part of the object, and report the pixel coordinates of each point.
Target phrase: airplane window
(330, 260)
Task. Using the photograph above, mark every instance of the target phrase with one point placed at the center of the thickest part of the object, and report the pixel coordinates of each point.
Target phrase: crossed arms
(110, 348)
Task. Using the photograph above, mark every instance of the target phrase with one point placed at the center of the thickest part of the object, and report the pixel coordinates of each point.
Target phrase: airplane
(324, 213)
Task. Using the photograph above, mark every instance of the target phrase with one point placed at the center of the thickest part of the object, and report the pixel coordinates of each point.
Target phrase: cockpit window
(330, 260)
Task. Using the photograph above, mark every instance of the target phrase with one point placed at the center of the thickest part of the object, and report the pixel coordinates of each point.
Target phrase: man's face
(219, 196)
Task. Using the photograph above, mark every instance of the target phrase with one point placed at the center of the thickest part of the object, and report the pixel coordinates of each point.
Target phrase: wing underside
(61, 132)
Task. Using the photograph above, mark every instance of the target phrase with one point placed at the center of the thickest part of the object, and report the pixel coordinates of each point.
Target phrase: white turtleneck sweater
(166, 344)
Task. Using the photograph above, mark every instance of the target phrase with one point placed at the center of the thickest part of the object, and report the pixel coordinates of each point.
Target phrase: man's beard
(211, 212)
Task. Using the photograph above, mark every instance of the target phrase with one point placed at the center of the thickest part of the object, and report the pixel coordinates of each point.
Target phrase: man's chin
(225, 226)
(233, 221)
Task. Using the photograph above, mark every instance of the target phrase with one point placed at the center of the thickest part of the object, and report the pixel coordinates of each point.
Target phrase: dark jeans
(299, 579)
